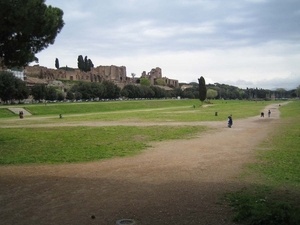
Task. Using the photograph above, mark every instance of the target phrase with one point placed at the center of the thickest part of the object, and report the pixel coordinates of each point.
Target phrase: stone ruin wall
(154, 74)
(171, 82)
(99, 74)
(157, 74)
(112, 73)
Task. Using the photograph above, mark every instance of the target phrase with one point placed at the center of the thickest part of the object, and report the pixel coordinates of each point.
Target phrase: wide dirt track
(174, 182)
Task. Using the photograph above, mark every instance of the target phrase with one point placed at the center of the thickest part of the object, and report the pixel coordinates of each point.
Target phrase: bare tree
(133, 75)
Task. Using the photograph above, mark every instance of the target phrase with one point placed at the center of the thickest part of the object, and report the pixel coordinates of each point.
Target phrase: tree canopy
(86, 90)
(161, 82)
(145, 82)
(26, 28)
(39, 91)
(12, 87)
(211, 93)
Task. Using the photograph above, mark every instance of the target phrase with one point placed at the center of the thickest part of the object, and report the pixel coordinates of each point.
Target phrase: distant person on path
(269, 113)
(230, 121)
(21, 114)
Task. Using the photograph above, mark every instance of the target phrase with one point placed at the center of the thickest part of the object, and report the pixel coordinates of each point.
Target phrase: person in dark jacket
(230, 121)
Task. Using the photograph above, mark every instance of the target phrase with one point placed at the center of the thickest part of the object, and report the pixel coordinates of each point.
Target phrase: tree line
(224, 91)
(109, 90)
(12, 88)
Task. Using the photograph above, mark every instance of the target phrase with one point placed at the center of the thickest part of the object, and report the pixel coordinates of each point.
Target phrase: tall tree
(80, 62)
(90, 65)
(84, 64)
(56, 63)
(202, 89)
(26, 28)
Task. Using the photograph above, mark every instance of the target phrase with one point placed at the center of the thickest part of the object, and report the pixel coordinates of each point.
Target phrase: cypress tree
(80, 63)
(84, 64)
(202, 89)
(56, 63)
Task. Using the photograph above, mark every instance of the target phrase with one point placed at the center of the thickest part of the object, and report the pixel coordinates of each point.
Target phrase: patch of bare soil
(174, 182)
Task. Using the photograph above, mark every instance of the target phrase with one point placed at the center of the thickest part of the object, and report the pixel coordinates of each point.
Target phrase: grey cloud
(126, 28)
(246, 22)
(288, 83)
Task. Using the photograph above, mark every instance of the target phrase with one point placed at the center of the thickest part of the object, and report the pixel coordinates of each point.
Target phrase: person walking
(269, 113)
(230, 121)
(21, 114)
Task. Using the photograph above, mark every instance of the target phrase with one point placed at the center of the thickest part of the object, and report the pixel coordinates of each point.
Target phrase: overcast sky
(245, 43)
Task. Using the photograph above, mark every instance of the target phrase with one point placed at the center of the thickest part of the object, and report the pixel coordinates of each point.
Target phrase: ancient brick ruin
(112, 73)
(157, 74)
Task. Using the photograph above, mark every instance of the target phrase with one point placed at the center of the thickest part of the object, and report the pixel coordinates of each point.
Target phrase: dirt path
(175, 182)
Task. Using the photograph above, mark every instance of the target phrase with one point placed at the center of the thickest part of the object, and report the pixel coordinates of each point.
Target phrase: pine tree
(27, 28)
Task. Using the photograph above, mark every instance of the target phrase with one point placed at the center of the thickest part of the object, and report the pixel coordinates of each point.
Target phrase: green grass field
(68, 144)
(160, 110)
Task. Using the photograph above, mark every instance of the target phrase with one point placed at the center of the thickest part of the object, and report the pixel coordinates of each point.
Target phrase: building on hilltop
(112, 73)
(18, 73)
(155, 74)
(152, 75)
(115, 74)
